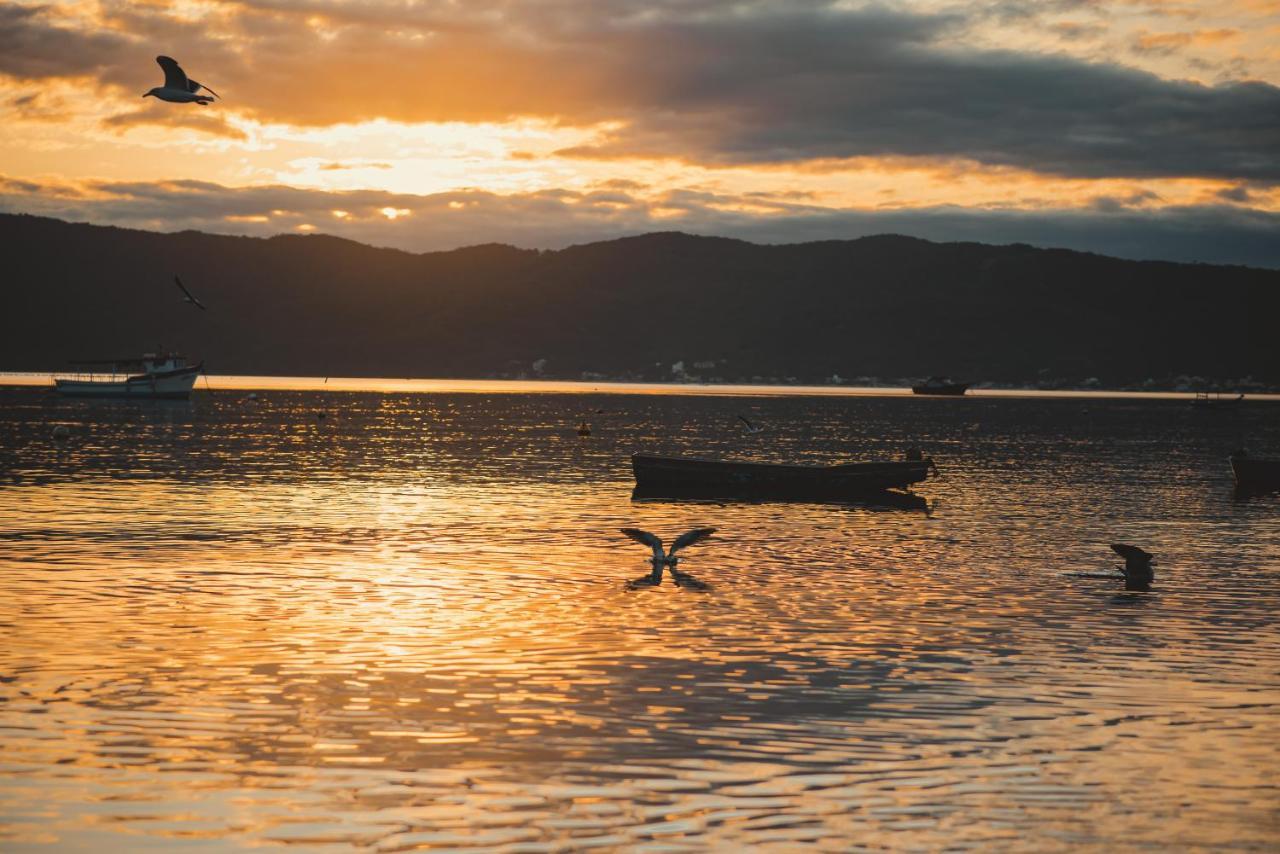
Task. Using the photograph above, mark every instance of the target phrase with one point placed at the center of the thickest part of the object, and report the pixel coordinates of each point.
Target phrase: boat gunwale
(837, 468)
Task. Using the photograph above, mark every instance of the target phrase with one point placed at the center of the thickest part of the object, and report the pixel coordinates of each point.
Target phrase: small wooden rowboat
(1255, 473)
(690, 475)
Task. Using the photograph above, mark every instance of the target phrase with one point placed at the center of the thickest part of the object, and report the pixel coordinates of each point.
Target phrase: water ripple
(406, 626)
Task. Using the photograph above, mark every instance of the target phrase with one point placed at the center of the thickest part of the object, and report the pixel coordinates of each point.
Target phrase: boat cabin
(148, 364)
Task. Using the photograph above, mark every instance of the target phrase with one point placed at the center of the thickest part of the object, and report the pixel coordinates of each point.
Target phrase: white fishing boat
(153, 375)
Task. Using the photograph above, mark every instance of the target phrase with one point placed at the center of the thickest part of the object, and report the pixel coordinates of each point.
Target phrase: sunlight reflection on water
(228, 622)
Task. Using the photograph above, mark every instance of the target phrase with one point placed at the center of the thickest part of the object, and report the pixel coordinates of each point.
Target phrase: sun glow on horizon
(566, 128)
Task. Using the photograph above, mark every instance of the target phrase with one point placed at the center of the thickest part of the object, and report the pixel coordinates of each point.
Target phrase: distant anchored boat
(1255, 473)
(941, 385)
(691, 475)
(1205, 400)
(153, 375)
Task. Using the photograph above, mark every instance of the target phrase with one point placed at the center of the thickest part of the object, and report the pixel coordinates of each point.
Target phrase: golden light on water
(409, 624)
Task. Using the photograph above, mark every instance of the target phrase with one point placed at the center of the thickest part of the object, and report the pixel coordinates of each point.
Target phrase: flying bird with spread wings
(187, 296)
(668, 559)
(178, 88)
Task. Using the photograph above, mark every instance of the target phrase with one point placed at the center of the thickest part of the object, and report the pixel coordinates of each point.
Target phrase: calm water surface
(230, 624)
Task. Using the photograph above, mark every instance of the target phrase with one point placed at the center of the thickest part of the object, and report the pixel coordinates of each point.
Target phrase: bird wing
(645, 538)
(688, 538)
(744, 420)
(190, 297)
(193, 87)
(174, 76)
(1128, 552)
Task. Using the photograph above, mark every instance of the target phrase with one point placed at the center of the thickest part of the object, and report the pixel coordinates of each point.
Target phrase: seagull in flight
(188, 297)
(178, 88)
(661, 560)
(749, 427)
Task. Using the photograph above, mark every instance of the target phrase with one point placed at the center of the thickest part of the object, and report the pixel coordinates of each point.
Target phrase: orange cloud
(1170, 42)
(1107, 223)
(159, 116)
(714, 84)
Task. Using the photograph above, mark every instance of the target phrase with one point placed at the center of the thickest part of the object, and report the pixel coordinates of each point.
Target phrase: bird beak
(145, 94)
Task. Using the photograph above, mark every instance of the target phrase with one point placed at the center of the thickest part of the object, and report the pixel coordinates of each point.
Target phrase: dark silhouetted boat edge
(884, 500)
(943, 386)
(1255, 474)
(692, 477)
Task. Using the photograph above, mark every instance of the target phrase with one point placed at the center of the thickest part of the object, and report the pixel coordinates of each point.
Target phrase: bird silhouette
(748, 427)
(178, 88)
(187, 295)
(1138, 574)
(668, 559)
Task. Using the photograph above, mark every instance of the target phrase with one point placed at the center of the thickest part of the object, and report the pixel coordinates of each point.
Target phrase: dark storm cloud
(1238, 193)
(33, 47)
(788, 89)
(555, 218)
(712, 81)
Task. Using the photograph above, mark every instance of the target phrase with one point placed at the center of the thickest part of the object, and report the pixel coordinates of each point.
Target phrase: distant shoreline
(31, 379)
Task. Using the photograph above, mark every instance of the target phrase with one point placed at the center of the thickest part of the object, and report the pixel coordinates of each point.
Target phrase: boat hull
(1255, 474)
(171, 385)
(691, 476)
(952, 390)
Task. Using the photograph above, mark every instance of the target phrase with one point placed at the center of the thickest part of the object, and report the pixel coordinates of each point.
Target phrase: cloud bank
(554, 219)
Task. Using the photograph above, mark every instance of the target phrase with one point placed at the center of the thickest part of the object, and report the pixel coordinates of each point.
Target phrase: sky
(1139, 128)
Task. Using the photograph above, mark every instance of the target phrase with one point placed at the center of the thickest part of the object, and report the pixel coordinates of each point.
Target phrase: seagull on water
(188, 296)
(1138, 574)
(661, 560)
(178, 88)
(748, 427)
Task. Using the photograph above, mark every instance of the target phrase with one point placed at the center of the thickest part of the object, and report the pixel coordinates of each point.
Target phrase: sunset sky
(1143, 128)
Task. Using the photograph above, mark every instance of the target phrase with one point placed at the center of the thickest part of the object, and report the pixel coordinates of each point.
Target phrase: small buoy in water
(584, 429)
(61, 433)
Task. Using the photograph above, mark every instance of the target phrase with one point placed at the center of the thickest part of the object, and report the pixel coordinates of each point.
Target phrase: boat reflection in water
(884, 500)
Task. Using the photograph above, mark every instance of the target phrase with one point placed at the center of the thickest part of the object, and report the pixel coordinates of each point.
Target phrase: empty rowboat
(1255, 474)
(693, 475)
